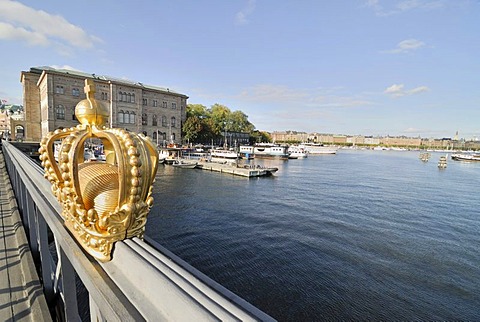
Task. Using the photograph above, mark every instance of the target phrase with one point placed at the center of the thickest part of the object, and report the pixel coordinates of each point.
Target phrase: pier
(46, 275)
(238, 170)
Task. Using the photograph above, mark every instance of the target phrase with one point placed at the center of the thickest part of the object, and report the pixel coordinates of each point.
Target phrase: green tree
(192, 128)
(206, 135)
(259, 136)
(239, 122)
(204, 124)
(197, 110)
(220, 115)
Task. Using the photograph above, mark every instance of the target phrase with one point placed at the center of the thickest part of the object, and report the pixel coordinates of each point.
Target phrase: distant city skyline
(456, 136)
(358, 67)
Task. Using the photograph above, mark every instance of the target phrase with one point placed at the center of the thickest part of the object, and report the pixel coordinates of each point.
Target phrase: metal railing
(143, 281)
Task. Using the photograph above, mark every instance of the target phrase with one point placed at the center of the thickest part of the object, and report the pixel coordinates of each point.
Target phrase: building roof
(41, 69)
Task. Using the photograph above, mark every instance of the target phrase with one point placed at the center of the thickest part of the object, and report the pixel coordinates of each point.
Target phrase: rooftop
(40, 69)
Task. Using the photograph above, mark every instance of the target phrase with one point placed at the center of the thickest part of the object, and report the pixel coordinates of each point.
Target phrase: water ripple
(356, 236)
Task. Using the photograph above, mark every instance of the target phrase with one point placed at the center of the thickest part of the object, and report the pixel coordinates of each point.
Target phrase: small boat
(223, 154)
(318, 148)
(169, 155)
(442, 163)
(270, 151)
(184, 164)
(296, 152)
(466, 157)
(424, 156)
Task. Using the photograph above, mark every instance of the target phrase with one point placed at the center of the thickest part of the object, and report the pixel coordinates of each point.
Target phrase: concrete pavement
(21, 294)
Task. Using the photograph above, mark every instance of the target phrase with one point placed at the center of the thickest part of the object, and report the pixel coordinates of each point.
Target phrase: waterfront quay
(235, 169)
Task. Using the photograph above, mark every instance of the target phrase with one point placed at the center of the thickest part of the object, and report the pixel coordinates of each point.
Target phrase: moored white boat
(296, 152)
(465, 157)
(184, 164)
(246, 152)
(318, 148)
(270, 151)
(223, 154)
(169, 154)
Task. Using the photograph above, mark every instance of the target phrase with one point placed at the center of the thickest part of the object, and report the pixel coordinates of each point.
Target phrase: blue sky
(371, 67)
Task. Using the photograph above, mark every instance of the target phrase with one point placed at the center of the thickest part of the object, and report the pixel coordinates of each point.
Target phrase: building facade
(50, 96)
(401, 141)
(289, 136)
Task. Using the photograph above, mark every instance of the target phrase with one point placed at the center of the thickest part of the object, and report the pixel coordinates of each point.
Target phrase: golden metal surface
(102, 202)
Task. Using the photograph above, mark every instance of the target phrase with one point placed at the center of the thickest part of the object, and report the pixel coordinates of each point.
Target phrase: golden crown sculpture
(102, 201)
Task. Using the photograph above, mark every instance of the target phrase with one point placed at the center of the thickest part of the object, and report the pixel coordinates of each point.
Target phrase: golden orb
(90, 111)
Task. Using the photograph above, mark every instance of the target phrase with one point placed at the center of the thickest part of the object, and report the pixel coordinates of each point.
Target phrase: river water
(370, 235)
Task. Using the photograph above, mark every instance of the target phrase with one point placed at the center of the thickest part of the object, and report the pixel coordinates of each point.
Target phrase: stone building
(401, 141)
(320, 138)
(289, 136)
(50, 96)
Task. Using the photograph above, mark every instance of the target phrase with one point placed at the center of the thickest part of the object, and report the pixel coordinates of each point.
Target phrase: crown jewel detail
(102, 201)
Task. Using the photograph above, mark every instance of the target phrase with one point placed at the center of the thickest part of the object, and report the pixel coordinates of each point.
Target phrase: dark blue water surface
(358, 235)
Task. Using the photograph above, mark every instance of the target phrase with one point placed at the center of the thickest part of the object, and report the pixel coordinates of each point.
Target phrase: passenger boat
(194, 154)
(296, 152)
(318, 148)
(466, 157)
(270, 151)
(223, 154)
(246, 152)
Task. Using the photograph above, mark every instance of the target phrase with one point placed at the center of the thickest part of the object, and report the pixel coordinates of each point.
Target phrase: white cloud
(406, 46)
(9, 32)
(67, 67)
(241, 18)
(311, 98)
(419, 4)
(39, 28)
(272, 93)
(395, 7)
(397, 90)
(411, 130)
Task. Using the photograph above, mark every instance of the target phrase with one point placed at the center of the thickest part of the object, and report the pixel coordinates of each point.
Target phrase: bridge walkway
(21, 294)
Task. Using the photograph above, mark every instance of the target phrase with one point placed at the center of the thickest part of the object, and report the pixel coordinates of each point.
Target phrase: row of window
(158, 136)
(122, 97)
(126, 97)
(155, 103)
(129, 118)
(60, 113)
(130, 98)
(59, 89)
(124, 117)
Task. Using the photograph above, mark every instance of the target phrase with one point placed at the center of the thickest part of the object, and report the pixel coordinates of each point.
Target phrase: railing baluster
(68, 286)
(21, 189)
(45, 259)
(95, 313)
(32, 226)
